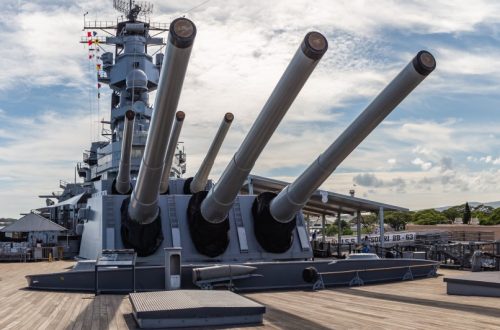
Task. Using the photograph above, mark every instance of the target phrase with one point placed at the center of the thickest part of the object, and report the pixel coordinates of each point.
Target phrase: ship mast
(131, 73)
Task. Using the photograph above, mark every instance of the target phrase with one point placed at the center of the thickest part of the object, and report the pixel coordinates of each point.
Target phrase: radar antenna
(132, 8)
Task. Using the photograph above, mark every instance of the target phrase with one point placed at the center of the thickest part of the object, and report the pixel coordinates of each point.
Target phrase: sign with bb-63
(394, 238)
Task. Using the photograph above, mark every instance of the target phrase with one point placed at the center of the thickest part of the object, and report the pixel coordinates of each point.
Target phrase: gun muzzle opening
(130, 114)
(182, 32)
(180, 115)
(228, 117)
(424, 63)
(314, 45)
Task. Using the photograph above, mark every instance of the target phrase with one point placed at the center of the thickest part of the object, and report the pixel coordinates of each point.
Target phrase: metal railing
(22, 255)
(100, 25)
(158, 26)
(112, 25)
(47, 253)
(101, 40)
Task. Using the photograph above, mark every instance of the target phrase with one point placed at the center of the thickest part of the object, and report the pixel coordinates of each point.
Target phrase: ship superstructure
(129, 60)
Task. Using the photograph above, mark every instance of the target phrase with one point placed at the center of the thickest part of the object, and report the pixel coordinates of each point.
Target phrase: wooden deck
(420, 304)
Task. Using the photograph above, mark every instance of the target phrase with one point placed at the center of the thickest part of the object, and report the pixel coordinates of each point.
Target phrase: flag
(94, 33)
(98, 85)
(90, 42)
(89, 34)
(98, 67)
(90, 56)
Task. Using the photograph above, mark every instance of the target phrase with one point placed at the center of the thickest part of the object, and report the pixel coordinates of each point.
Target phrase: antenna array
(132, 8)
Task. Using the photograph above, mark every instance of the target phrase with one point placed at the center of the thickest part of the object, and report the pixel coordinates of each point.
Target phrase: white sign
(374, 239)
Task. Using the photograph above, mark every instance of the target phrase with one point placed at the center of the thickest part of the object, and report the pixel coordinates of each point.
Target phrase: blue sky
(441, 146)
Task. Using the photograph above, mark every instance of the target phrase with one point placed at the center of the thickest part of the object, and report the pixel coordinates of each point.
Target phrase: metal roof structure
(70, 201)
(32, 222)
(334, 202)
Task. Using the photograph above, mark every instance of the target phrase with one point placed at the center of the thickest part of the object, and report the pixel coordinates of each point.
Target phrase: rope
(90, 103)
(189, 10)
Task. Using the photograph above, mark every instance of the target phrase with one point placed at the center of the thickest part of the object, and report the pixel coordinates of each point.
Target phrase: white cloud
(470, 62)
(423, 165)
(35, 160)
(488, 159)
(417, 161)
(418, 16)
(38, 52)
(422, 189)
(242, 48)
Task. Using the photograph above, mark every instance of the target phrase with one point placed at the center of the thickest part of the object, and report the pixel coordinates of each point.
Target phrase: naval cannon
(169, 156)
(199, 181)
(122, 184)
(136, 82)
(274, 215)
(208, 211)
(141, 219)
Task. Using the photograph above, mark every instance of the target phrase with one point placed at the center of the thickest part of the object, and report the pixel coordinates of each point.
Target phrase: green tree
(429, 217)
(398, 219)
(454, 212)
(370, 219)
(482, 212)
(466, 217)
(332, 229)
(368, 223)
(493, 219)
(486, 222)
(347, 231)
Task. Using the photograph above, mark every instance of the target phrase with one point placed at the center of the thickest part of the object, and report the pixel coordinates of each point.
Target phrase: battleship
(133, 201)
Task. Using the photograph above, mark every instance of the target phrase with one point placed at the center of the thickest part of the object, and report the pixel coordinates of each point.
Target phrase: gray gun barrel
(199, 181)
(293, 197)
(122, 183)
(219, 200)
(172, 146)
(143, 206)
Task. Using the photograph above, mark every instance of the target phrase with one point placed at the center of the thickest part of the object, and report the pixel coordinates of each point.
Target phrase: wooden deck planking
(355, 308)
(421, 304)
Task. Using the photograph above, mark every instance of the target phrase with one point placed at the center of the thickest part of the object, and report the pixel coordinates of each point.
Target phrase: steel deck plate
(193, 308)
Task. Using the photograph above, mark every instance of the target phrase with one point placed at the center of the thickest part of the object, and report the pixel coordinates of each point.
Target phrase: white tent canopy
(32, 223)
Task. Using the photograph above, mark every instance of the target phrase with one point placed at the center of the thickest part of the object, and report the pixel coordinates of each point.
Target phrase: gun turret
(141, 222)
(172, 145)
(207, 213)
(122, 182)
(273, 215)
(199, 182)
